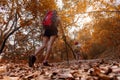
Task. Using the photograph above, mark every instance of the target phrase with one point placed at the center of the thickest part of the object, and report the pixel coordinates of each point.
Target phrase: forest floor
(97, 69)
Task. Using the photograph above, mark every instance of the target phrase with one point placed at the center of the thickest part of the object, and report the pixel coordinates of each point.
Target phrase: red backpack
(48, 19)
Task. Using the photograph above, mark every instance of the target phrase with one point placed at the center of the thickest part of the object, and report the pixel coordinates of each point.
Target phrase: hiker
(77, 50)
(49, 36)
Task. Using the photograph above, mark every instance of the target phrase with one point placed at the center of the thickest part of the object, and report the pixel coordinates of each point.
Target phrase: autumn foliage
(93, 24)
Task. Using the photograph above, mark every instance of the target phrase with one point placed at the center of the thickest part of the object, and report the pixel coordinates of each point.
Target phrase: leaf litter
(76, 70)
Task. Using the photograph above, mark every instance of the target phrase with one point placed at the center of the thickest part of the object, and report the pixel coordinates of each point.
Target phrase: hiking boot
(32, 60)
(46, 64)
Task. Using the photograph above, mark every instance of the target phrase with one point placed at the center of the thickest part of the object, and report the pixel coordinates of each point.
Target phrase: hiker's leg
(44, 44)
(49, 47)
(32, 58)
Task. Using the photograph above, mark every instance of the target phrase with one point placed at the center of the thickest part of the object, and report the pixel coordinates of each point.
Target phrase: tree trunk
(64, 39)
(3, 44)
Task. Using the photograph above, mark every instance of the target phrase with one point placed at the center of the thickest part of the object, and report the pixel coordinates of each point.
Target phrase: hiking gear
(49, 19)
(32, 60)
(46, 63)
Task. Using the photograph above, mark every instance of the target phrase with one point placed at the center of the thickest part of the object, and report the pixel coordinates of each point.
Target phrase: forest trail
(103, 69)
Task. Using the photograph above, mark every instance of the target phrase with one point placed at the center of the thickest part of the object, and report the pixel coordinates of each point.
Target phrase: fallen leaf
(3, 69)
(33, 75)
(10, 78)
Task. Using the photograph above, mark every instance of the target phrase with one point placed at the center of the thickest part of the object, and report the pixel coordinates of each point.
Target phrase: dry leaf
(3, 69)
(1, 58)
(10, 78)
(41, 77)
(33, 75)
(75, 74)
(65, 76)
(101, 75)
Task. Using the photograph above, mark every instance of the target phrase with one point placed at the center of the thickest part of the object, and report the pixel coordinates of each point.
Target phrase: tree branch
(3, 44)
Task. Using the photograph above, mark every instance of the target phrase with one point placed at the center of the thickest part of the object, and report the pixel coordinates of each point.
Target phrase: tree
(20, 14)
